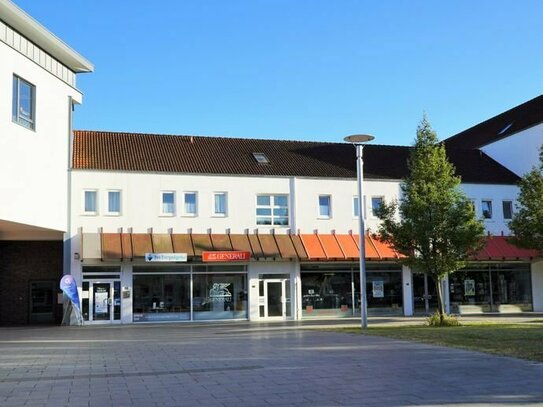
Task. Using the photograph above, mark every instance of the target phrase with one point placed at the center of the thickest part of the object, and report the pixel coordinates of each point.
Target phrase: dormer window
(261, 158)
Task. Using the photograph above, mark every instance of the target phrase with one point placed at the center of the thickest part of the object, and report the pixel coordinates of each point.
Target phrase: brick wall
(20, 263)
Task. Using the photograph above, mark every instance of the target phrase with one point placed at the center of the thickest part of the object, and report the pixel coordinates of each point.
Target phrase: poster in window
(100, 301)
(378, 289)
(469, 288)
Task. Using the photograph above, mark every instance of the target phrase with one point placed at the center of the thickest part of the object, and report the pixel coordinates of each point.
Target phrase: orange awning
(331, 247)
(313, 248)
(141, 244)
(348, 246)
(286, 247)
(126, 241)
(201, 243)
(269, 247)
(182, 244)
(111, 246)
(162, 243)
(241, 243)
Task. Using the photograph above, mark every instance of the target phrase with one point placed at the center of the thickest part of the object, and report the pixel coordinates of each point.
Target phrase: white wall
(342, 218)
(141, 194)
(33, 163)
(519, 152)
(497, 194)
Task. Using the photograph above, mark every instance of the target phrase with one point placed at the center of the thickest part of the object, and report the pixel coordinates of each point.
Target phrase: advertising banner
(69, 287)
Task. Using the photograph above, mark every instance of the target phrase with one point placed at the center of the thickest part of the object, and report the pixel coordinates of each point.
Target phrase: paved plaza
(249, 364)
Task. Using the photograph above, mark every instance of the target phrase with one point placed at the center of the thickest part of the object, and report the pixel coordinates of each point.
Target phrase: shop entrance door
(275, 300)
(104, 302)
(424, 293)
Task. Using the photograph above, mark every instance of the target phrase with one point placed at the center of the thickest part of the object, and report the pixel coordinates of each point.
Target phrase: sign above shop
(225, 256)
(166, 257)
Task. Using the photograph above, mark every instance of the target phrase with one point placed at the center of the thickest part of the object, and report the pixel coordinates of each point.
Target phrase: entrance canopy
(20, 231)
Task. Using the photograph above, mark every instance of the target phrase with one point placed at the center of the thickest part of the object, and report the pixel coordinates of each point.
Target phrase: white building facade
(38, 93)
(297, 230)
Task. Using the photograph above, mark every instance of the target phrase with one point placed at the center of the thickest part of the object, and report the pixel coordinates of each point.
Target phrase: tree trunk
(440, 300)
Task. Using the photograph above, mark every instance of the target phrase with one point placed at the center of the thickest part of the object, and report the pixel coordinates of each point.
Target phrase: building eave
(43, 38)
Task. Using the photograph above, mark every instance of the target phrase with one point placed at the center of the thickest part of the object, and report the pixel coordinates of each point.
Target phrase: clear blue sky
(299, 69)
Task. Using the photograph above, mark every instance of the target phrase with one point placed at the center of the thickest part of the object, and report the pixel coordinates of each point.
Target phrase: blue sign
(166, 257)
(69, 287)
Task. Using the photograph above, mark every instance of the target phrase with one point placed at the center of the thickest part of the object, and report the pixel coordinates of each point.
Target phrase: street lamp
(358, 140)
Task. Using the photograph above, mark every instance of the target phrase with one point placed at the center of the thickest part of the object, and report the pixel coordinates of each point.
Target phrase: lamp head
(358, 138)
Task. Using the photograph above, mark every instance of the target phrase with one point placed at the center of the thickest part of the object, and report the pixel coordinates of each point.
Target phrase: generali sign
(225, 256)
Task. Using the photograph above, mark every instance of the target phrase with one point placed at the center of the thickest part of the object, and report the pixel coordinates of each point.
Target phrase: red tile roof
(234, 156)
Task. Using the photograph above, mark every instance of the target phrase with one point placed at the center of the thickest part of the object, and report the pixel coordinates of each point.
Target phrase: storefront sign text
(166, 257)
(225, 256)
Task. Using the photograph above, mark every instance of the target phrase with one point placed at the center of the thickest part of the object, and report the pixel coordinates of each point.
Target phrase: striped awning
(285, 247)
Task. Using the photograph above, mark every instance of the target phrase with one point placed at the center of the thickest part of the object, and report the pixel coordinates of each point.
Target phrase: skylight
(505, 128)
(261, 158)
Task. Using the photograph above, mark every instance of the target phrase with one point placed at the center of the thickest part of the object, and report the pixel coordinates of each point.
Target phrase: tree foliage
(434, 224)
(527, 223)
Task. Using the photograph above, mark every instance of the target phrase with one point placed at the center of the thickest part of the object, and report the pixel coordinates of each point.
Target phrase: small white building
(37, 96)
(173, 228)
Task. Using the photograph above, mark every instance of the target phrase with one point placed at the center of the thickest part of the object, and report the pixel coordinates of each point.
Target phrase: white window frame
(503, 212)
(272, 206)
(28, 123)
(219, 214)
(319, 214)
(382, 198)
(491, 209)
(184, 211)
(83, 209)
(114, 213)
(355, 206)
(161, 203)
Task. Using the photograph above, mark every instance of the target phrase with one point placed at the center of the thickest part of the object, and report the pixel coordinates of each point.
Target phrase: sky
(299, 69)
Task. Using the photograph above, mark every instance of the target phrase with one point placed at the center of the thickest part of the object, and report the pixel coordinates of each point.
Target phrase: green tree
(527, 223)
(437, 227)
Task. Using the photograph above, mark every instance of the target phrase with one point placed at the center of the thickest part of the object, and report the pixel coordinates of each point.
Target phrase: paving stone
(254, 365)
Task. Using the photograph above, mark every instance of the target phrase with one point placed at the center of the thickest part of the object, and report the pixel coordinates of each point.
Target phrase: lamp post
(358, 141)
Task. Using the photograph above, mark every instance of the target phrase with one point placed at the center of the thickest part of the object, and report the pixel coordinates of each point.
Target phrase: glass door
(104, 302)
(275, 301)
(424, 293)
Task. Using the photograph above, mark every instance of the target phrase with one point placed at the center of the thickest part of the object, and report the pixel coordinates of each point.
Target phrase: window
(168, 203)
(272, 210)
(355, 206)
(24, 103)
(114, 202)
(376, 202)
(190, 206)
(324, 206)
(90, 204)
(507, 209)
(261, 158)
(219, 204)
(486, 207)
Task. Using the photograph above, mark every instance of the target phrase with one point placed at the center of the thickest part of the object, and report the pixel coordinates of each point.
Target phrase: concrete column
(537, 286)
(407, 283)
(127, 303)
